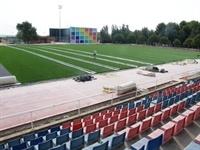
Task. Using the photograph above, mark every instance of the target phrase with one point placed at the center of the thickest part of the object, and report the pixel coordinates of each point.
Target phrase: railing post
(31, 120)
(112, 100)
(79, 107)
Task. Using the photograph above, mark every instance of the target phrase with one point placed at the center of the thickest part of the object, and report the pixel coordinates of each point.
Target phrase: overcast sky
(44, 14)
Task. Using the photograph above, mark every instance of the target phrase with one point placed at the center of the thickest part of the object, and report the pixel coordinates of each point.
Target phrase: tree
(160, 29)
(105, 37)
(26, 32)
(118, 38)
(164, 40)
(188, 42)
(177, 42)
(131, 38)
(153, 39)
(142, 40)
(171, 31)
(196, 41)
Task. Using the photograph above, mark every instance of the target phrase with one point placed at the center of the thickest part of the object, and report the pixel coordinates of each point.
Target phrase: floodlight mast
(59, 7)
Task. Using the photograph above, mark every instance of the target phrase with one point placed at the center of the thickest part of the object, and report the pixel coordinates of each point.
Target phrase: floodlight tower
(59, 7)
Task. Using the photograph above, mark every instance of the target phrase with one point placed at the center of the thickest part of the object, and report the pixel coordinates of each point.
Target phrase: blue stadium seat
(20, 146)
(44, 145)
(76, 144)
(55, 128)
(61, 139)
(42, 133)
(187, 101)
(165, 104)
(30, 148)
(138, 104)
(131, 105)
(118, 107)
(76, 133)
(28, 137)
(2, 146)
(148, 144)
(171, 101)
(60, 147)
(64, 131)
(51, 136)
(97, 146)
(35, 141)
(14, 142)
(193, 146)
(92, 137)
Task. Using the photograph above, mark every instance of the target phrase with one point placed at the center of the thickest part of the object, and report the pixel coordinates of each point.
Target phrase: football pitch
(31, 63)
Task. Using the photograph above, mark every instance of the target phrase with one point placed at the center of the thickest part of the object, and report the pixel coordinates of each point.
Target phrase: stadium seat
(145, 124)
(76, 121)
(180, 123)
(195, 108)
(77, 126)
(102, 123)
(189, 116)
(158, 107)
(108, 115)
(75, 144)
(44, 145)
(60, 147)
(85, 118)
(181, 105)
(92, 137)
(59, 140)
(150, 110)
(66, 125)
(124, 109)
(115, 140)
(88, 122)
(120, 124)
(55, 128)
(112, 119)
(131, 119)
(95, 115)
(35, 141)
(76, 133)
(90, 128)
(2, 146)
(107, 130)
(14, 142)
(131, 132)
(123, 115)
(64, 131)
(141, 114)
(98, 118)
(139, 108)
(165, 104)
(131, 111)
(28, 137)
(19, 146)
(42, 133)
(97, 146)
(174, 109)
(50, 136)
(165, 113)
(103, 112)
(193, 146)
(111, 109)
(116, 112)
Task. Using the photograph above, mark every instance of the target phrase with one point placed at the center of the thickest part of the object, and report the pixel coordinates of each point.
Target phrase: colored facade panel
(83, 35)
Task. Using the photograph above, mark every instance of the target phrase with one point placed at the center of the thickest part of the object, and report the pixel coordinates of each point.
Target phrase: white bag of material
(126, 87)
(8, 80)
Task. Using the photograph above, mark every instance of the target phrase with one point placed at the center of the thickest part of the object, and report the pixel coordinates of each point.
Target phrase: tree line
(184, 34)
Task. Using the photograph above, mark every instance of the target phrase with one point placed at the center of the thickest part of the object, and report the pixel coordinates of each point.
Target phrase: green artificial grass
(30, 68)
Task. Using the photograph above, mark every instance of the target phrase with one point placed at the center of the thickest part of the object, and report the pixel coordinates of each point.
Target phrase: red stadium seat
(165, 113)
(76, 121)
(174, 109)
(120, 124)
(180, 123)
(85, 118)
(116, 112)
(66, 125)
(133, 131)
(95, 115)
(196, 108)
(107, 130)
(123, 115)
(76, 126)
(98, 118)
(108, 115)
(156, 118)
(158, 107)
(131, 119)
(150, 110)
(139, 108)
(131, 111)
(102, 123)
(146, 123)
(113, 119)
(181, 105)
(111, 109)
(141, 114)
(189, 116)
(103, 112)
(88, 122)
(90, 128)
(124, 109)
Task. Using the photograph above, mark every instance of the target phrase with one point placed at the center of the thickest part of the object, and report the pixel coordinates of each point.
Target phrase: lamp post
(59, 7)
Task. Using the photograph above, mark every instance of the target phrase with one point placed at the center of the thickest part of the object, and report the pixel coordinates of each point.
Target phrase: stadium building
(75, 34)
